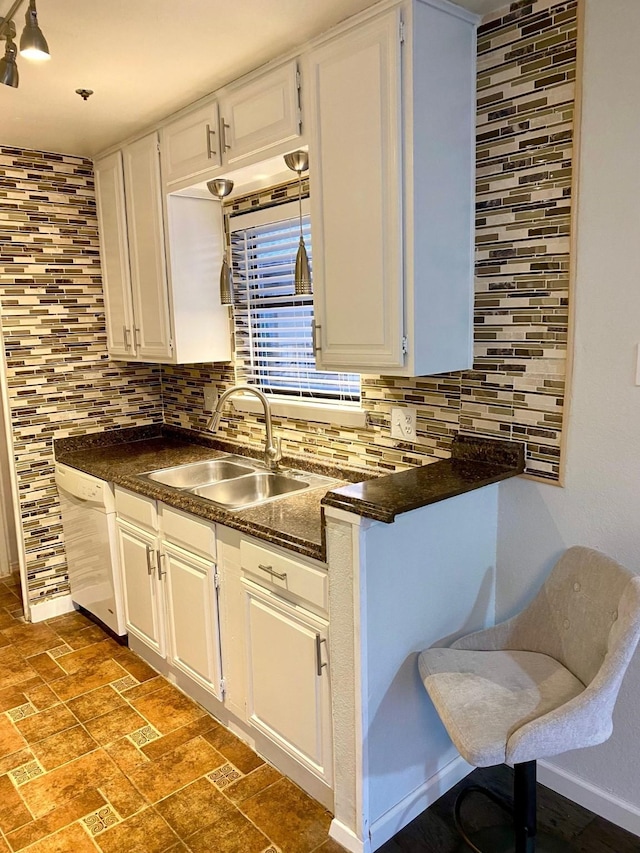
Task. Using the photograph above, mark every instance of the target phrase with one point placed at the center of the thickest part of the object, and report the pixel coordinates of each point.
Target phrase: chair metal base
(519, 837)
(500, 839)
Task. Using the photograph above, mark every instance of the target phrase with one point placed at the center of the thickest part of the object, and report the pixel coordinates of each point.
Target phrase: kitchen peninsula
(408, 559)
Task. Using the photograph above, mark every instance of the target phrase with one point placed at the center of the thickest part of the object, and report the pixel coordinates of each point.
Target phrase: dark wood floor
(433, 830)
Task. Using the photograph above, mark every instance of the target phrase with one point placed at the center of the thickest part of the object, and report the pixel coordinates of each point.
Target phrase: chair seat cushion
(483, 698)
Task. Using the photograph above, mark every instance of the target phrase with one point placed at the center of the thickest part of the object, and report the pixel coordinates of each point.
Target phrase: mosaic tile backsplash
(526, 90)
(62, 383)
(60, 379)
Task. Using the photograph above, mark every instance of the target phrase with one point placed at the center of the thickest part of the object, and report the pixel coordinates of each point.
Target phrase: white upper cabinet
(114, 248)
(161, 296)
(391, 105)
(241, 122)
(356, 197)
(145, 227)
(257, 115)
(190, 145)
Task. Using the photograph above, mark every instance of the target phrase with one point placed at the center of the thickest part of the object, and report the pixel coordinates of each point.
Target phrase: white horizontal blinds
(273, 326)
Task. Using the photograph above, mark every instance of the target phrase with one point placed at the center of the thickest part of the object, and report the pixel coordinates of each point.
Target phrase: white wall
(600, 503)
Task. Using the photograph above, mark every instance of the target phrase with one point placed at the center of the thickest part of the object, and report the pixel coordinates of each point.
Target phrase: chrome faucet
(272, 454)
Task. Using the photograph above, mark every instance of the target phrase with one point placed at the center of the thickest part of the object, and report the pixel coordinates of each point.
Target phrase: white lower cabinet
(288, 695)
(191, 592)
(240, 625)
(170, 586)
(143, 593)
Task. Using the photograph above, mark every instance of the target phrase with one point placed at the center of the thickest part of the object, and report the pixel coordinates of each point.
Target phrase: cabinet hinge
(216, 578)
(298, 79)
(223, 687)
(158, 146)
(401, 31)
(405, 344)
(170, 346)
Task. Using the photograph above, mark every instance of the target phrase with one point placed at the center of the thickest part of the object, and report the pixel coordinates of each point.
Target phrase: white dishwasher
(88, 521)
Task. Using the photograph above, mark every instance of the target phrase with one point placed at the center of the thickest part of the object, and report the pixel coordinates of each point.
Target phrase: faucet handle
(273, 454)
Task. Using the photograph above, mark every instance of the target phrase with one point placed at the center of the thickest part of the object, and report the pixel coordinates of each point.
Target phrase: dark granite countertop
(295, 522)
(475, 462)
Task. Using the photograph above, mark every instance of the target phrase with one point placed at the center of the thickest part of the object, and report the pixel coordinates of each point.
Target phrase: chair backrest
(587, 609)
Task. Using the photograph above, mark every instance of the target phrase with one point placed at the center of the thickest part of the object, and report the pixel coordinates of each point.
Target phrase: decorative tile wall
(59, 377)
(526, 89)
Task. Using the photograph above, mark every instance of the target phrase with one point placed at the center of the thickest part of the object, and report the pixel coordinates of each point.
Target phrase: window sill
(303, 411)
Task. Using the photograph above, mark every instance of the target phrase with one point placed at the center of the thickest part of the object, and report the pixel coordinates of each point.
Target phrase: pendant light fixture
(298, 161)
(33, 44)
(220, 188)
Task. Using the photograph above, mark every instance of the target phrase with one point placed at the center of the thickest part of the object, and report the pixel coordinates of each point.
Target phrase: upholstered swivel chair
(542, 683)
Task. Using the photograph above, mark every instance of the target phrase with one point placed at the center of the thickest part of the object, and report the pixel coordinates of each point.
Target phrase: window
(273, 326)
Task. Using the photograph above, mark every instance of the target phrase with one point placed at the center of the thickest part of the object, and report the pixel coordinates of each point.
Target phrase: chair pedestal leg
(522, 836)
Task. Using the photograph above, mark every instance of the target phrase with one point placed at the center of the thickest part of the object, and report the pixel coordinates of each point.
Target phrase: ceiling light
(298, 161)
(33, 45)
(8, 68)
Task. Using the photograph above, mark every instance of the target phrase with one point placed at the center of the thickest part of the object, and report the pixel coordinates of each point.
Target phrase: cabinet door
(256, 115)
(146, 249)
(114, 252)
(288, 681)
(194, 638)
(143, 599)
(356, 197)
(190, 145)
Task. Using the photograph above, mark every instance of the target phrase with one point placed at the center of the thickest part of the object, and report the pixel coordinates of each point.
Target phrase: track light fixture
(33, 44)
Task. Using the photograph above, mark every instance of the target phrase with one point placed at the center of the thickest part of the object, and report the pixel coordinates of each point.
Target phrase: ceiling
(145, 59)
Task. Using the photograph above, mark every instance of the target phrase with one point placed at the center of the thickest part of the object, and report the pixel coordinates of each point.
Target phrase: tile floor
(98, 752)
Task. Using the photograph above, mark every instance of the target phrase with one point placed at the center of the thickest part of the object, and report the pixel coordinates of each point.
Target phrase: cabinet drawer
(193, 534)
(291, 579)
(136, 508)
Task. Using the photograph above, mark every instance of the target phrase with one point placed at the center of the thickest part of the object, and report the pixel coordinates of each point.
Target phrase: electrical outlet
(210, 397)
(403, 423)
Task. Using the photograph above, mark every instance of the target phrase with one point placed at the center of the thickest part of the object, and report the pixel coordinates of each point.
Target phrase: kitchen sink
(198, 473)
(250, 490)
(233, 482)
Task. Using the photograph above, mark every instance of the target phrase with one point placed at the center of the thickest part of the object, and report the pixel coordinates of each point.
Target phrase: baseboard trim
(606, 805)
(397, 817)
(348, 839)
(51, 607)
(386, 826)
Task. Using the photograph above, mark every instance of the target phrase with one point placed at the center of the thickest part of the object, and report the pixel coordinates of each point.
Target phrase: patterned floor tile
(224, 775)
(21, 712)
(100, 820)
(25, 772)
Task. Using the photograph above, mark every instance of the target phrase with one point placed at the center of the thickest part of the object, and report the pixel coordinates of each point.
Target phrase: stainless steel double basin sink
(233, 482)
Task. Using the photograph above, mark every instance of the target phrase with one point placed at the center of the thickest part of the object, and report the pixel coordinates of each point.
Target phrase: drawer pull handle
(149, 566)
(319, 664)
(160, 558)
(271, 571)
